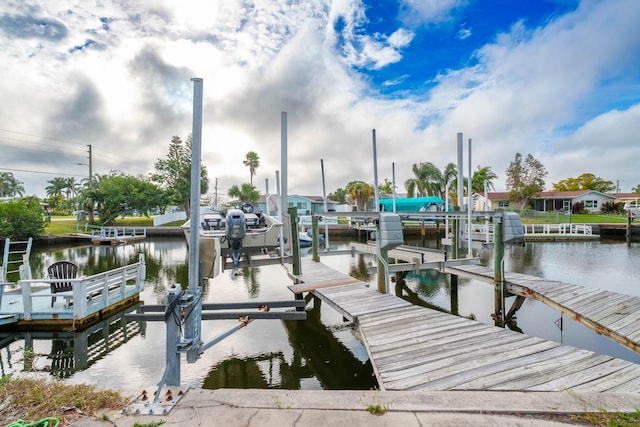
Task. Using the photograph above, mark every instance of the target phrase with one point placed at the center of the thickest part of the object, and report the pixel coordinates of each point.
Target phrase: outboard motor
(235, 230)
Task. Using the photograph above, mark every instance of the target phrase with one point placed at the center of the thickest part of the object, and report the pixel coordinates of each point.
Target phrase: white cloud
(533, 86)
(430, 11)
(538, 91)
(464, 33)
(605, 146)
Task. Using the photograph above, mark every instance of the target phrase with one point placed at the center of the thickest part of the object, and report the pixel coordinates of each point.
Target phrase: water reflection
(360, 269)
(250, 276)
(317, 350)
(314, 354)
(318, 358)
(63, 353)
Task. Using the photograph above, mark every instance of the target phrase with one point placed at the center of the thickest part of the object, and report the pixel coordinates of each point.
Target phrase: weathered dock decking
(611, 314)
(416, 348)
(28, 304)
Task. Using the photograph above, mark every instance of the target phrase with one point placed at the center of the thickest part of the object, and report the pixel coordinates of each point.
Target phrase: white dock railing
(105, 289)
(118, 233)
(484, 232)
(558, 229)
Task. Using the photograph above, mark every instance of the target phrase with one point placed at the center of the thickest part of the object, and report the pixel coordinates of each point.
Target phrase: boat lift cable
(188, 314)
(173, 299)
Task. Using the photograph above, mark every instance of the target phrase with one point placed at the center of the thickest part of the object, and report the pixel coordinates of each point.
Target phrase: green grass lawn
(61, 225)
(551, 218)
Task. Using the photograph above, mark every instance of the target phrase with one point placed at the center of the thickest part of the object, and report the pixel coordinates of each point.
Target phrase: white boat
(237, 233)
(306, 239)
(633, 209)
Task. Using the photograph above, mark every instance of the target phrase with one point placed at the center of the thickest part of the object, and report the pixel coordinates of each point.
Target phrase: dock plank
(446, 374)
(618, 312)
(523, 376)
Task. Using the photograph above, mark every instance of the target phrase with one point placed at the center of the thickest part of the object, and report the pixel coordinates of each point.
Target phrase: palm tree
(482, 175)
(359, 193)
(9, 185)
(429, 180)
(417, 185)
(252, 161)
(58, 185)
(386, 187)
(71, 187)
(246, 192)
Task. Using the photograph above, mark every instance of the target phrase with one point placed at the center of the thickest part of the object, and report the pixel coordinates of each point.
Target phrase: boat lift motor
(390, 235)
(235, 230)
(512, 229)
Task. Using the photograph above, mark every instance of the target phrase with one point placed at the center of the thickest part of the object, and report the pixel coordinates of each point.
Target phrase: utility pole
(90, 168)
(215, 198)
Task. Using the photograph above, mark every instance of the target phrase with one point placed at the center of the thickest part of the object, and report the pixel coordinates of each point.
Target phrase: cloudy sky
(559, 79)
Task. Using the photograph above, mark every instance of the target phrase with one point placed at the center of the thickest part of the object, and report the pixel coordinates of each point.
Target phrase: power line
(42, 172)
(4, 138)
(105, 153)
(42, 137)
(39, 150)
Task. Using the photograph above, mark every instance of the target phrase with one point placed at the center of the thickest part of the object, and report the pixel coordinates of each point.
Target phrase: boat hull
(215, 248)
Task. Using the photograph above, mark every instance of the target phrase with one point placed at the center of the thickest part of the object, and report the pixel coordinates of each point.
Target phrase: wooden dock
(27, 304)
(613, 315)
(610, 314)
(416, 348)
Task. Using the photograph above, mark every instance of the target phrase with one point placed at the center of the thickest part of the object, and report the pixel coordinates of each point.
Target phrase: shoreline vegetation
(33, 399)
(66, 225)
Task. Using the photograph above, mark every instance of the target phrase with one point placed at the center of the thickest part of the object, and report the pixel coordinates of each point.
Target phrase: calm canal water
(319, 353)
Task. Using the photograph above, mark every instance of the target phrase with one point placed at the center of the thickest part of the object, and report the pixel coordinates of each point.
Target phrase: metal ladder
(16, 254)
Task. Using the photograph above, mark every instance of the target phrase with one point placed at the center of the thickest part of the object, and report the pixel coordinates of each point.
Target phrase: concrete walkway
(281, 408)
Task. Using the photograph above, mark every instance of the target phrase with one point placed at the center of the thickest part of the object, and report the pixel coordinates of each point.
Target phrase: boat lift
(184, 311)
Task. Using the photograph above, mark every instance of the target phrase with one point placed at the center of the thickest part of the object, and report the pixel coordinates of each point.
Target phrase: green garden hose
(45, 422)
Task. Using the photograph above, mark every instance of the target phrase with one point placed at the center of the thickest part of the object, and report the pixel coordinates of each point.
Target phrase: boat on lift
(237, 233)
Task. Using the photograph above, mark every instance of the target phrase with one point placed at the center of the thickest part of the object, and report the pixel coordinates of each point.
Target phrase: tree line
(118, 194)
(525, 180)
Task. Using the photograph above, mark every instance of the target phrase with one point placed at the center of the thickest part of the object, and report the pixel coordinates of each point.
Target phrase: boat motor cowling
(235, 225)
(235, 229)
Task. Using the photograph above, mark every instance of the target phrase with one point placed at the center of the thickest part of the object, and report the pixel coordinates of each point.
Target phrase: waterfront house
(626, 197)
(305, 205)
(546, 201)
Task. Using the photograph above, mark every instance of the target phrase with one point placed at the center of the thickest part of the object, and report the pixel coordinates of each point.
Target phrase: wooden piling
(628, 230)
(454, 294)
(315, 242)
(295, 241)
(498, 279)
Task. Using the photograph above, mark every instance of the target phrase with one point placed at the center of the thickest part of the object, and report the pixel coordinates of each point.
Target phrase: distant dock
(113, 235)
